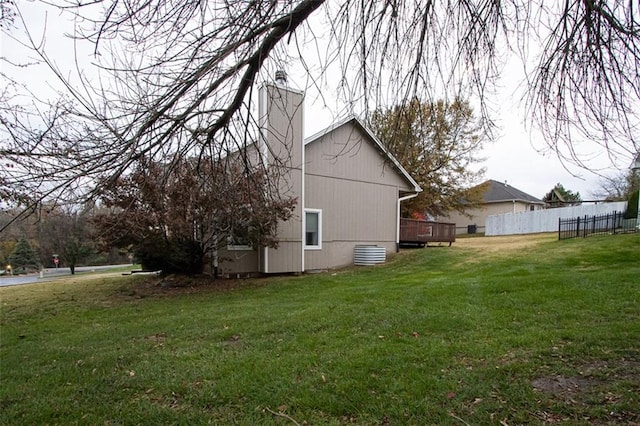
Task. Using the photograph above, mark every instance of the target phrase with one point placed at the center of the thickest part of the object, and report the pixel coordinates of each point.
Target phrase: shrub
(171, 256)
(632, 206)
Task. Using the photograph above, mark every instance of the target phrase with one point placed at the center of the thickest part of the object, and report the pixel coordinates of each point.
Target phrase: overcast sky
(516, 155)
(512, 157)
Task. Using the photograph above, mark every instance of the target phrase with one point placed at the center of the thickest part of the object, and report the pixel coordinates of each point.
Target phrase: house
(498, 198)
(348, 186)
(635, 164)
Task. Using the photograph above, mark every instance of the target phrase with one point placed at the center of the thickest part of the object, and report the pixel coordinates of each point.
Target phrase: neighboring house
(635, 165)
(348, 186)
(498, 198)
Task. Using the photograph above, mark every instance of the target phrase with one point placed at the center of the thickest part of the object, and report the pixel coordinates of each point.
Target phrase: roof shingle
(499, 192)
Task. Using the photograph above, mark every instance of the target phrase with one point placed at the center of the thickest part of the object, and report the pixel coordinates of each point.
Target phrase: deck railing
(413, 231)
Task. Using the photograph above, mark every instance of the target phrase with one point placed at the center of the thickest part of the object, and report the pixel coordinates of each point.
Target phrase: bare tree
(178, 77)
(586, 85)
(617, 187)
(7, 13)
(68, 235)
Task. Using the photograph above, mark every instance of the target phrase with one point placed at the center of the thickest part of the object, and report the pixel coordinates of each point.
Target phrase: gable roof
(500, 192)
(376, 142)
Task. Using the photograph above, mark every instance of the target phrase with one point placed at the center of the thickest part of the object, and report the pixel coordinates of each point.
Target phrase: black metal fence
(611, 223)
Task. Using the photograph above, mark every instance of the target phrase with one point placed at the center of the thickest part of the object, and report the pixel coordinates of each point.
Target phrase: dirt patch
(594, 374)
(610, 385)
(563, 386)
(176, 285)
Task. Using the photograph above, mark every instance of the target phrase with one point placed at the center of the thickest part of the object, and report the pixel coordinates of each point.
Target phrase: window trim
(237, 247)
(319, 245)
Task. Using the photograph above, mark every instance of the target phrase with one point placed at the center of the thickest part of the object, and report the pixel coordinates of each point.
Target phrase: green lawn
(489, 331)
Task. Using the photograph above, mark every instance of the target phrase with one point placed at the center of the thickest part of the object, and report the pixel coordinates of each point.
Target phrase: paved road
(51, 273)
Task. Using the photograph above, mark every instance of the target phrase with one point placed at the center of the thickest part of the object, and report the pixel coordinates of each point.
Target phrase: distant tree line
(170, 216)
(53, 232)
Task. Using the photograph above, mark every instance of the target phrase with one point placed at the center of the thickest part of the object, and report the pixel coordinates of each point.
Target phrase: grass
(489, 331)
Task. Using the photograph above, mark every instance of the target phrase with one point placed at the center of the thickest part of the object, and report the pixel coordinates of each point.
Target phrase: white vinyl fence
(545, 220)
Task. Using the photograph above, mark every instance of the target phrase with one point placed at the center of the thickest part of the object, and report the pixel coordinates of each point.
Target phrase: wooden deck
(423, 232)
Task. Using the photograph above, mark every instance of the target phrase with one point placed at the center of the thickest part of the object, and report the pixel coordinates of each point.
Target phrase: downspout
(215, 264)
(263, 150)
(401, 199)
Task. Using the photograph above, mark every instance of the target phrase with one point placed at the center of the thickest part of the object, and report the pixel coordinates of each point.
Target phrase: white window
(239, 241)
(312, 229)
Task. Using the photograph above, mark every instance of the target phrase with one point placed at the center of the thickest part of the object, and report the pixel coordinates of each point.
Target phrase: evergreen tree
(23, 256)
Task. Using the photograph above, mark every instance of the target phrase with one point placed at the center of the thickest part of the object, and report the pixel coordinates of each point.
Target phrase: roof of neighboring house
(500, 192)
(377, 143)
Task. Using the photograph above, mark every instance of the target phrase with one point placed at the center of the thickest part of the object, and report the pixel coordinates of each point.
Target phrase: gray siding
(347, 154)
(342, 173)
(237, 262)
(348, 178)
(352, 213)
(282, 119)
